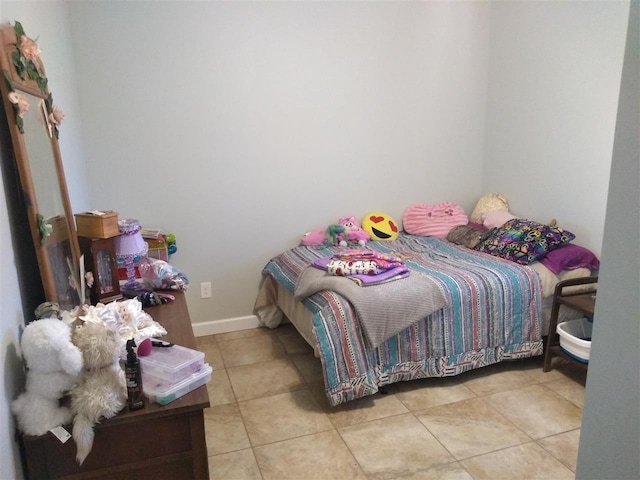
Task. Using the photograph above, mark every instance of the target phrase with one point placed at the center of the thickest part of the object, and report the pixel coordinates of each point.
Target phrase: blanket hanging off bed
(383, 310)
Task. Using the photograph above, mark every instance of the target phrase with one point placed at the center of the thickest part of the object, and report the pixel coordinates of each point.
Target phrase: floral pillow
(523, 241)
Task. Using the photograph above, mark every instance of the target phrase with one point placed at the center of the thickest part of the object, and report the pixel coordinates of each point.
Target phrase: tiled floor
(269, 418)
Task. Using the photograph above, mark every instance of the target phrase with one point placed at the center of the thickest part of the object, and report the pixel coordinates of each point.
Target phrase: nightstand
(583, 301)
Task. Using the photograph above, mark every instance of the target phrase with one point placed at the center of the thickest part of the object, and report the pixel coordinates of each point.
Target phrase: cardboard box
(158, 248)
(97, 226)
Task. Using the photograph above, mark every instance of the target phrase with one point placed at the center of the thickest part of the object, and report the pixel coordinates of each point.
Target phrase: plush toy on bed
(489, 202)
(354, 232)
(346, 232)
(53, 364)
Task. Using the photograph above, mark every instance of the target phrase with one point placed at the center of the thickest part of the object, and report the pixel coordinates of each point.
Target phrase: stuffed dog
(53, 364)
(101, 391)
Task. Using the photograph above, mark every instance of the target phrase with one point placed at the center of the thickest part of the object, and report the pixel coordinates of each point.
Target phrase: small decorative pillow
(433, 221)
(487, 203)
(380, 226)
(570, 257)
(467, 236)
(496, 218)
(523, 241)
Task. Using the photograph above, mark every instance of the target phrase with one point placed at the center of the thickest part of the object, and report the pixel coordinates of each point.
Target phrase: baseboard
(226, 325)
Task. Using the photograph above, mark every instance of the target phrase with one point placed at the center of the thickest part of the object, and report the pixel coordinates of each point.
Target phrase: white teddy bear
(53, 365)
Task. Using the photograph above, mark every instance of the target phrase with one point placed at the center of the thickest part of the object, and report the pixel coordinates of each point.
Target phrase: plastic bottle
(134, 378)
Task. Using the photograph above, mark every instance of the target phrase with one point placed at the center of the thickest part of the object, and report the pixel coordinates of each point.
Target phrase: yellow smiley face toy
(380, 226)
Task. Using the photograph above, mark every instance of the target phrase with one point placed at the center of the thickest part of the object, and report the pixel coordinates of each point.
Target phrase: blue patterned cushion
(523, 241)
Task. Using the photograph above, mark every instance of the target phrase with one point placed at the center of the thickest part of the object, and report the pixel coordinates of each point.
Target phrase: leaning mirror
(33, 123)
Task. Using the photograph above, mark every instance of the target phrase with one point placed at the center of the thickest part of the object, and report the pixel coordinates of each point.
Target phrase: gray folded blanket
(382, 310)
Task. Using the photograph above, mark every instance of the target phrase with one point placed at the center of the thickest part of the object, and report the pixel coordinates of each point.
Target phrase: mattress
(493, 313)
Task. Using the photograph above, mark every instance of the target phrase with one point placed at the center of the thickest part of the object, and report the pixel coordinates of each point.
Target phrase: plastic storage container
(575, 338)
(163, 391)
(172, 363)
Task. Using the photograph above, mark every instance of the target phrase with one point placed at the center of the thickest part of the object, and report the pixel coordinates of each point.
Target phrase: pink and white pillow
(433, 220)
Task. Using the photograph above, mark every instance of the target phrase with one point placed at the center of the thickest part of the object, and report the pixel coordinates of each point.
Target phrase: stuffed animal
(53, 364)
(354, 233)
(345, 232)
(488, 203)
(101, 391)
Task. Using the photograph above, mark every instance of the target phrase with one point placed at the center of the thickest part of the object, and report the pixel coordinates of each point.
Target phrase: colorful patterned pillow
(523, 241)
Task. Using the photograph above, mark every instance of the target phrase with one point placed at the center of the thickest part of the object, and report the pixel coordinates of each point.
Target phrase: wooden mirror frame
(55, 238)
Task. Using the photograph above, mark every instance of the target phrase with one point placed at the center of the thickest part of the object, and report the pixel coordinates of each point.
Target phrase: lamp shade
(129, 246)
(130, 241)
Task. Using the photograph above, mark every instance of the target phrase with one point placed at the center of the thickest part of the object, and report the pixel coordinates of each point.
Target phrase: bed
(494, 311)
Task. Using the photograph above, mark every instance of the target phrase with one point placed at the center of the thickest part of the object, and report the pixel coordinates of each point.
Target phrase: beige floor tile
(564, 447)
(224, 429)
(471, 427)
(293, 341)
(394, 446)
(250, 332)
(528, 461)
(219, 388)
(537, 410)
(317, 389)
(309, 366)
(212, 354)
(283, 416)
(205, 340)
(239, 465)
(493, 379)
(449, 471)
(431, 392)
(319, 456)
(265, 378)
(254, 349)
(569, 389)
(372, 407)
(533, 367)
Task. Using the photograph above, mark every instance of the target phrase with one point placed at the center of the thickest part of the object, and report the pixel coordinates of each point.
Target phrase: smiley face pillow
(380, 226)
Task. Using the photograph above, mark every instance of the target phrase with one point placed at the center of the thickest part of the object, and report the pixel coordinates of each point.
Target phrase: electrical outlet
(205, 290)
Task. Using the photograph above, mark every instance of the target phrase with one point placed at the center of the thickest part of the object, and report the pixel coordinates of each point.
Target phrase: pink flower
(56, 116)
(29, 49)
(19, 99)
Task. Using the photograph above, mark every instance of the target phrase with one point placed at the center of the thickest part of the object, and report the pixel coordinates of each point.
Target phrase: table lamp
(130, 246)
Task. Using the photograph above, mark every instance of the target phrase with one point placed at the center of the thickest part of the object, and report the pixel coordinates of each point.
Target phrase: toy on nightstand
(101, 391)
(53, 364)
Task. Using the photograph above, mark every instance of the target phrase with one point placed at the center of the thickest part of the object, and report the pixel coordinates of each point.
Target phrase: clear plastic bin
(162, 391)
(172, 363)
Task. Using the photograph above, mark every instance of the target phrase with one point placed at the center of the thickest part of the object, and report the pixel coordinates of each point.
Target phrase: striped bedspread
(493, 313)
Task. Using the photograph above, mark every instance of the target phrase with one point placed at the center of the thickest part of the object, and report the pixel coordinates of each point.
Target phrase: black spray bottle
(134, 377)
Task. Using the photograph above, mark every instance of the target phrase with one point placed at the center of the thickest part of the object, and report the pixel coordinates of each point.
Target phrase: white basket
(575, 338)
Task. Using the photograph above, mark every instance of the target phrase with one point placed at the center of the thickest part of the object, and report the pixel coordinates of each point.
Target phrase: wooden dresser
(156, 442)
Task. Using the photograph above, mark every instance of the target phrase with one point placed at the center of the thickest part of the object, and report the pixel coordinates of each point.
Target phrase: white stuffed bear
(101, 391)
(53, 364)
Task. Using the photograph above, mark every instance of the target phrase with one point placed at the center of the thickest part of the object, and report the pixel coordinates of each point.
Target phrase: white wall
(11, 321)
(239, 126)
(554, 80)
(49, 23)
(610, 438)
(250, 94)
